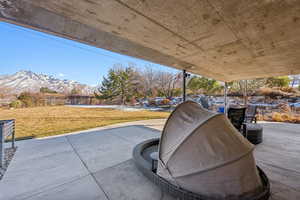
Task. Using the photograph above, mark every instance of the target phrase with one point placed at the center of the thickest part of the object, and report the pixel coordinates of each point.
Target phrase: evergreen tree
(120, 83)
(205, 85)
(75, 91)
(47, 90)
(280, 81)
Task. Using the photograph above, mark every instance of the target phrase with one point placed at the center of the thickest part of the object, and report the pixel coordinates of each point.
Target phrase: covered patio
(97, 164)
(225, 40)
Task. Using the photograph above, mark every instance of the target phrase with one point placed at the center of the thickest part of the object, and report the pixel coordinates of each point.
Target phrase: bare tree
(157, 82)
(148, 81)
(167, 83)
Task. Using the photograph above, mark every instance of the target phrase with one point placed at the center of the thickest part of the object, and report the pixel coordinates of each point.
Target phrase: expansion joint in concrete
(85, 165)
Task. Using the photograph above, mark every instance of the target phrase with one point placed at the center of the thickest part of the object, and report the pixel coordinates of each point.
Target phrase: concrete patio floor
(96, 164)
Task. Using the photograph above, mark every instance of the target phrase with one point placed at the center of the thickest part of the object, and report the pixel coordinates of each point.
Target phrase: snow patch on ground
(118, 107)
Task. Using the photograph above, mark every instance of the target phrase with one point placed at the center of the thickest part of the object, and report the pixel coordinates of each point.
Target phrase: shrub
(295, 118)
(284, 107)
(27, 99)
(16, 104)
(47, 90)
(280, 81)
(281, 117)
(152, 102)
(30, 99)
(285, 117)
(165, 102)
(288, 89)
(276, 117)
(273, 92)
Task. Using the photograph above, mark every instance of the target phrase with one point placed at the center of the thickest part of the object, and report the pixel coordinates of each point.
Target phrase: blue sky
(25, 49)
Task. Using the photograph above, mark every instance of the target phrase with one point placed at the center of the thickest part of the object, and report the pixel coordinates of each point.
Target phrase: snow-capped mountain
(27, 81)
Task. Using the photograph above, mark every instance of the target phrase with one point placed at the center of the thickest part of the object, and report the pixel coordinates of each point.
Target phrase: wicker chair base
(144, 164)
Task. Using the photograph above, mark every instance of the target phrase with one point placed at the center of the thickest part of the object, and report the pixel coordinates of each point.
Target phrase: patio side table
(253, 132)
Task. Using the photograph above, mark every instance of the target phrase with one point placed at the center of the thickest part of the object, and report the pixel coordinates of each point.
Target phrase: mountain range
(28, 81)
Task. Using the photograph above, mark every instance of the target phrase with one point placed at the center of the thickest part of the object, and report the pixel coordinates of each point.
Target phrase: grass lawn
(55, 120)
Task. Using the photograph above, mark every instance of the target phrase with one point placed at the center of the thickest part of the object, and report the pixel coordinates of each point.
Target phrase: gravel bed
(8, 155)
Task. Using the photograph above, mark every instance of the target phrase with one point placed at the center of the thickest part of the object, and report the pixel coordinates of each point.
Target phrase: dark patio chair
(237, 117)
(252, 131)
(251, 114)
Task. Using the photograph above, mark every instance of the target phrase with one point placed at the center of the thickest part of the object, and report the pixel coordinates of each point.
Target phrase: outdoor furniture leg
(254, 133)
(244, 130)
